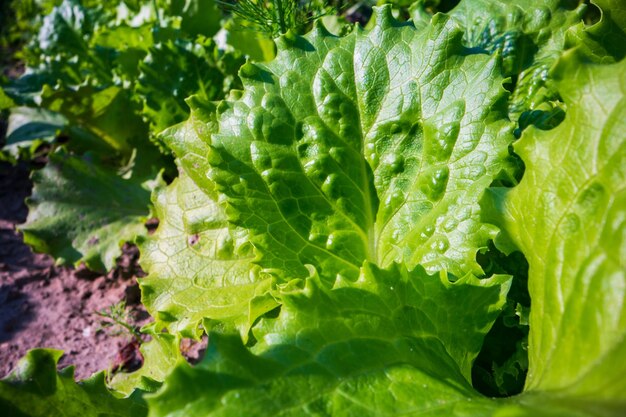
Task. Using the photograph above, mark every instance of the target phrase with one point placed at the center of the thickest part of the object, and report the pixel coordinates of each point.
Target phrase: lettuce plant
(102, 80)
(329, 221)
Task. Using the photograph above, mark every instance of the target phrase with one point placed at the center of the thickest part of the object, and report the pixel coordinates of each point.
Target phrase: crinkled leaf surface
(339, 346)
(376, 146)
(330, 350)
(35, 389)
(568, 217)
(175, 70)
(81, 211)
(528, 36)
(128, 44)
(522, 31)
(61, 51)
(391, 343)
(198, 267)
(190, 142)
(604, 41)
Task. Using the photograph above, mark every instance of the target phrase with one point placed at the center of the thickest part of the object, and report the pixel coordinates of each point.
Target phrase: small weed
(116, 320)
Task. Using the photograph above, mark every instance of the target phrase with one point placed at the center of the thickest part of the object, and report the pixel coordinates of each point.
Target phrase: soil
(43, 305)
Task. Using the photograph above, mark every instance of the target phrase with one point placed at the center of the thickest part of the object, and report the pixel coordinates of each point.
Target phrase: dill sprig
(276, 17)
(117, 320)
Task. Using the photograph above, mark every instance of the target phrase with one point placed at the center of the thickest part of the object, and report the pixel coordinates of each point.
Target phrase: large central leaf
(348, 157)
(376, 146)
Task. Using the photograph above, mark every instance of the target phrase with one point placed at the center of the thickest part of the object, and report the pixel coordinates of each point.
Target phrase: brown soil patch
(42, 305)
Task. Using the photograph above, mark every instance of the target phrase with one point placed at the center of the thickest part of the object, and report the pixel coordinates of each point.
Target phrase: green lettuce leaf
(209, 73)
(376, 146)
(330, 229)
(65, 28)
(81, 211)
(604, 41)
(524, 32)
(27, 129)
(109, 114)
(27, 124)
(393, 342)
(199, 268)
(62, 50)
(190, 141)
(128, 44)
(35, 389)
(338, 347)
(567, 216)
(529, 36)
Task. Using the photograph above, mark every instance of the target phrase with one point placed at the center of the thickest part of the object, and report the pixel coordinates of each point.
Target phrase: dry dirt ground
(43, 305)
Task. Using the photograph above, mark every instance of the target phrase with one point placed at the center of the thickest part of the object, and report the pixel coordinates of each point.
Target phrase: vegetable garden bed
(421, 214)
